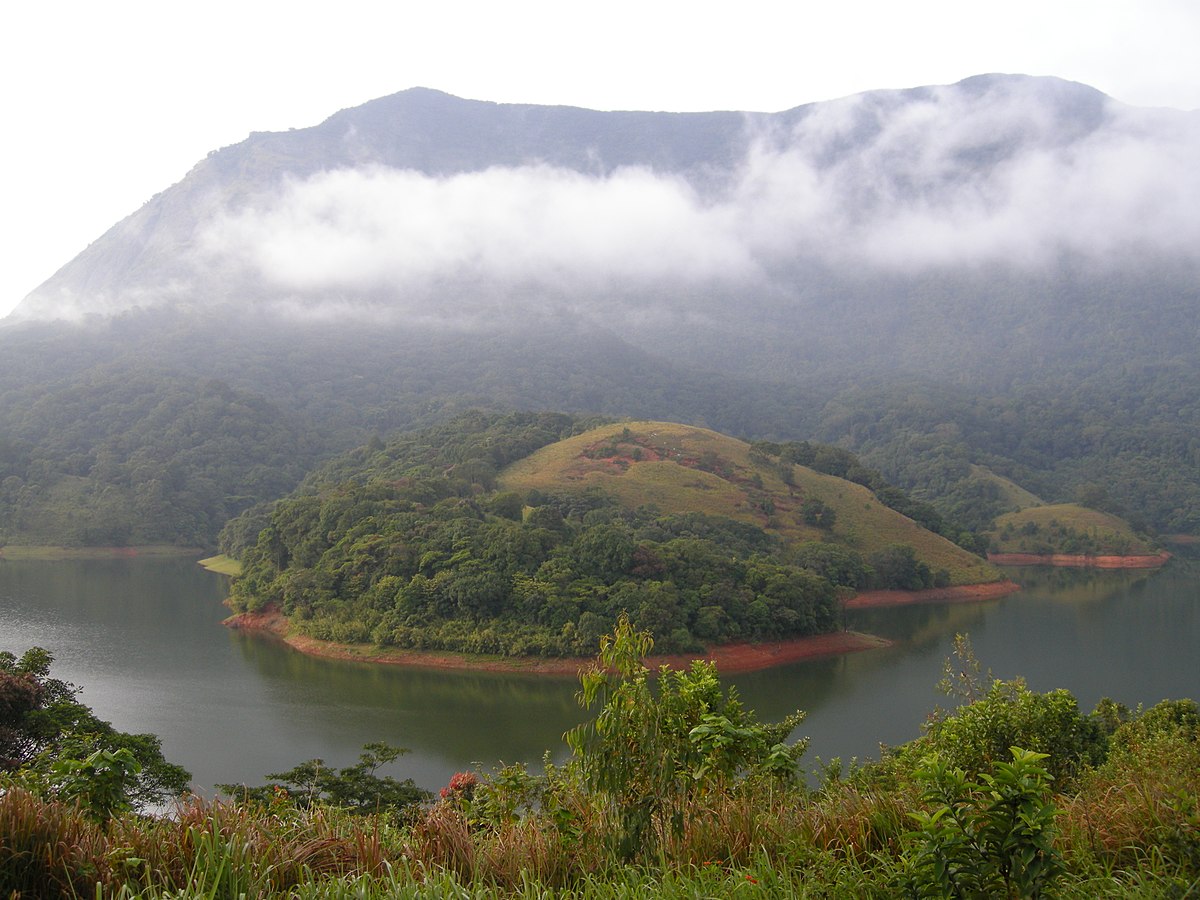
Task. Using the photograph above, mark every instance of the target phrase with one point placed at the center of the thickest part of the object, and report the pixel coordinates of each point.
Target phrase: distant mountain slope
(1003, 272)
(1003, 204)
(149, 259)
(981, 231)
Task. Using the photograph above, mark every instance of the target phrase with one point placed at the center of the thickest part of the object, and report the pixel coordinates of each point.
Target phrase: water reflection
(1128, 635)
(1084, 585)
(471, 716)
(923, 623)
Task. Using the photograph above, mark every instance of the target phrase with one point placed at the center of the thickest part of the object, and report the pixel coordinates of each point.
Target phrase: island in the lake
(515, 541)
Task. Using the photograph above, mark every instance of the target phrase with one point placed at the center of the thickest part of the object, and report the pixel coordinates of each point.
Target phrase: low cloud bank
(1019, 172)
(944, 181)
(362, 229)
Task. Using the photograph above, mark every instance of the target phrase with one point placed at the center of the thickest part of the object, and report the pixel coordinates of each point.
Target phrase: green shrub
(1170, 718)
(978, 735)
(356, 789)
(651, 754)
(994, 838)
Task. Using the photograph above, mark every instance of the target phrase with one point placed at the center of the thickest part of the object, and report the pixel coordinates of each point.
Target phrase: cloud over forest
(996, 170)
(944, 180)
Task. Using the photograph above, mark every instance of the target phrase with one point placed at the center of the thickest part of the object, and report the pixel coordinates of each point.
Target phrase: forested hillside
(157, 428)
(1124, 442)
(136, 456)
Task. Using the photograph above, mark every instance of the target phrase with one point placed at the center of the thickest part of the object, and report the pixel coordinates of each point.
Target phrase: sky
(104, 105)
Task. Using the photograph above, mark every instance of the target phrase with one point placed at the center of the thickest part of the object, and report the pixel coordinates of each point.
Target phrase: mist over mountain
(424, 208)
(991, 243)
(420, 186)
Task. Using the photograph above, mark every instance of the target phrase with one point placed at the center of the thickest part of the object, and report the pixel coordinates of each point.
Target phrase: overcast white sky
(105, 104)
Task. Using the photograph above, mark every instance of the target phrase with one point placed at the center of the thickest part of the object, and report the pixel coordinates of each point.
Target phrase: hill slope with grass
(683, 469)
(529, 534)
(1066, 529)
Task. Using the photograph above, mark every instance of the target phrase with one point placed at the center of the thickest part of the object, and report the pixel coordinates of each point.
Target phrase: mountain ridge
(439, 135)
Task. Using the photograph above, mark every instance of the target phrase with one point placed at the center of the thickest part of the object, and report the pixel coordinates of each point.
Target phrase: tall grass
(1131, 828)
(47, 849)
(1141, 809)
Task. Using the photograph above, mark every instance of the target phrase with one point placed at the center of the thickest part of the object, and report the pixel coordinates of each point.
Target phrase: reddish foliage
(462, 784)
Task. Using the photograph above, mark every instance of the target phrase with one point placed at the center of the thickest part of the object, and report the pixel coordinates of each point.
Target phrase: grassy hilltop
(681, 468)
(1066, 528)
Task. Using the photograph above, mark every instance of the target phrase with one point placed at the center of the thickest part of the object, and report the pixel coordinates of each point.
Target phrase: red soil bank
(967, 593)
(730, 658)
(1065, 559)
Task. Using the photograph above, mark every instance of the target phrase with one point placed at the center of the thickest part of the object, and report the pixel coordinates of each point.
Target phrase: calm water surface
(143, 637)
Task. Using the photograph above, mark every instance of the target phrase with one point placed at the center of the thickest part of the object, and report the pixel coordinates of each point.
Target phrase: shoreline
(730, 659)
(963, 593)
(1080, 560)
(54, 551)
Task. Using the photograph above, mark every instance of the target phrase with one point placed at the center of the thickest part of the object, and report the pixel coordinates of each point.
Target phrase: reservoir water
(143, 638)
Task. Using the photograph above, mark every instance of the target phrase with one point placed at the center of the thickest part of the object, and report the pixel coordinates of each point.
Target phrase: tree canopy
(57, 746)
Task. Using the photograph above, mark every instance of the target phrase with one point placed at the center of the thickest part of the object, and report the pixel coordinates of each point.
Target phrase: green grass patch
(222, 565)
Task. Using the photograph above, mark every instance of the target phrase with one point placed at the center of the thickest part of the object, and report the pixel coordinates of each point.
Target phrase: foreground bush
(653, 754)
(992, 838)
(675, 791)
(840, 841)
(54, 745)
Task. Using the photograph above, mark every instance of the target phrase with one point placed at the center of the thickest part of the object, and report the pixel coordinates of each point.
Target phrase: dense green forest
(149, 429)
(672, 789)
(1122, 442)
(144, 431)
(414, 544)
(141, 457)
